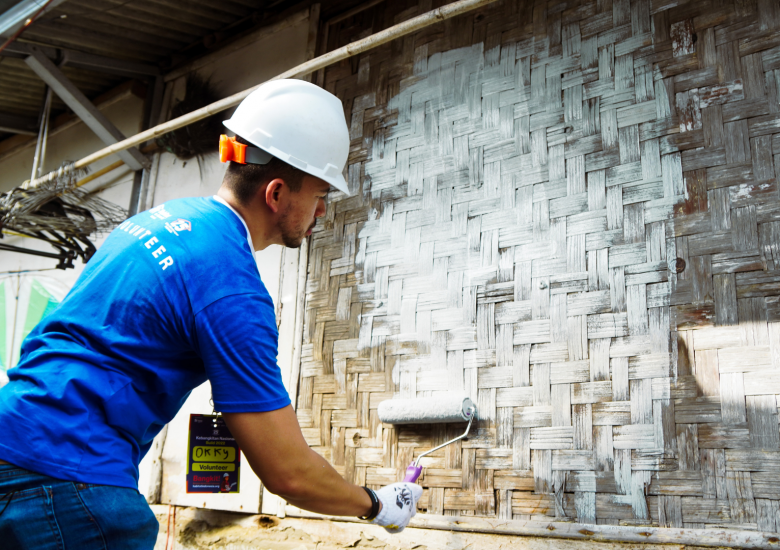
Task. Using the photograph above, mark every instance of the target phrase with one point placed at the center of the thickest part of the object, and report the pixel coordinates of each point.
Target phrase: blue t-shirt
(172, 298)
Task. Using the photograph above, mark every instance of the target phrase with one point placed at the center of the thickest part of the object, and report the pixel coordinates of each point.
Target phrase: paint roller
(434, 410)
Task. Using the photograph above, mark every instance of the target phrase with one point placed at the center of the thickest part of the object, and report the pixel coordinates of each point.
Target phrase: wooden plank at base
(349, 534)
(728, 538)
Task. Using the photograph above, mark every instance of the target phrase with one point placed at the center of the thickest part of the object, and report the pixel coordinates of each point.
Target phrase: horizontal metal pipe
(16, 19)
(355, 48)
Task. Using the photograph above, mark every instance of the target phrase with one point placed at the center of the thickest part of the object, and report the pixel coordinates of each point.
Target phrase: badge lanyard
(213, 456)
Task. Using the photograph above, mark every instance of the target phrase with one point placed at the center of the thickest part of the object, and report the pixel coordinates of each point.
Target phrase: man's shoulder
(208, 245)
(194, 234)
(204, 206)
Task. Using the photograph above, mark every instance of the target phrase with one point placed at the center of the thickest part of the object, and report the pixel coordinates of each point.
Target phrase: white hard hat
(299, 123)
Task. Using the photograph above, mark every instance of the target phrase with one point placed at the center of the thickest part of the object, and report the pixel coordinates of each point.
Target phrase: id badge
(213, 457)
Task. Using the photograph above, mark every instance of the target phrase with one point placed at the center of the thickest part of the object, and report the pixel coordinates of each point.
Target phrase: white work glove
(399, 505)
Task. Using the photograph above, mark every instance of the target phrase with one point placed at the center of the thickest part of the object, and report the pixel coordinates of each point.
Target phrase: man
(171, 299)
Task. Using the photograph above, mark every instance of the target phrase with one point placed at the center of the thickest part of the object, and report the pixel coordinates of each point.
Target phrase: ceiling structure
(97, 45)
(61, 58)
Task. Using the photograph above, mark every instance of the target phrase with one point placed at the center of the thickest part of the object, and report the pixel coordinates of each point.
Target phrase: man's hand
(399, 505)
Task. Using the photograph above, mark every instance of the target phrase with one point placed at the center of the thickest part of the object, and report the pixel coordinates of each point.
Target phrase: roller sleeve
(434, 410)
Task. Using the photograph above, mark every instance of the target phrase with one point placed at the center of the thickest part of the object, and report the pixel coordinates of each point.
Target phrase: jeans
(42, 513)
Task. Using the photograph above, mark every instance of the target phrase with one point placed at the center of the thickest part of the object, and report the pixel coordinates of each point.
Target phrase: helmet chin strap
(231, 150)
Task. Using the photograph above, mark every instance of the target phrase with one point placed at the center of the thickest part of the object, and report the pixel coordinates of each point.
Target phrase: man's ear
(273, 194)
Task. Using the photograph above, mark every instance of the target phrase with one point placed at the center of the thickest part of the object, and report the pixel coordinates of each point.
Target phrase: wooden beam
(713, 537)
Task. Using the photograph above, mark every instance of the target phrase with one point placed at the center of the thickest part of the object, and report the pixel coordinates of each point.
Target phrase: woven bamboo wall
(525, 179)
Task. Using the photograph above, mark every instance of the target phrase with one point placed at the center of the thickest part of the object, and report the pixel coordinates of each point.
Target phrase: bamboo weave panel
(525, 179)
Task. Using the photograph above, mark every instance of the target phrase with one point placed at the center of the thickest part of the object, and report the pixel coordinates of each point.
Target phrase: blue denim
(42, 513)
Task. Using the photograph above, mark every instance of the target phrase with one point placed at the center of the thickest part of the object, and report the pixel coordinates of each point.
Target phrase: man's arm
(278, 454)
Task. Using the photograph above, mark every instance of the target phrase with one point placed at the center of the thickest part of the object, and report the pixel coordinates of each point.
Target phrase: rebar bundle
(60, 214)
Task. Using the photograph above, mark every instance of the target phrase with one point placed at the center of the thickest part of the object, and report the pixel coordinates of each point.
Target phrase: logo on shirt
(159, 213)
(178, 225)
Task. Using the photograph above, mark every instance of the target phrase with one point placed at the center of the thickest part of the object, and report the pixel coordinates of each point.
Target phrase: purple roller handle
(412, 473)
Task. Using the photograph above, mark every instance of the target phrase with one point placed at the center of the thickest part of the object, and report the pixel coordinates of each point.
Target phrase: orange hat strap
(230, 149)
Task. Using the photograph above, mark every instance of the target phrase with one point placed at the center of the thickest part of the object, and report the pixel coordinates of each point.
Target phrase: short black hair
(244, 180)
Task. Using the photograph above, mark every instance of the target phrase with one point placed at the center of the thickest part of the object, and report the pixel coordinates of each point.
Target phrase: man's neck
(252, 218)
